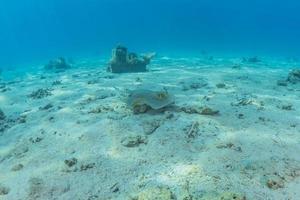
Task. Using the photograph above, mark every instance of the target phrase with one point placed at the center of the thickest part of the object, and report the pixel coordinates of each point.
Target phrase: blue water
(33, 31)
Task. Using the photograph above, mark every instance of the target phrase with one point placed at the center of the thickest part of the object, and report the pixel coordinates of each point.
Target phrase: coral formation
(123, 62)
(58, 64)
(294, 76)
(143, 100)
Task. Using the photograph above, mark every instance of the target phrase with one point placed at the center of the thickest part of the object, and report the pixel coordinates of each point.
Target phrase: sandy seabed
(71, 135)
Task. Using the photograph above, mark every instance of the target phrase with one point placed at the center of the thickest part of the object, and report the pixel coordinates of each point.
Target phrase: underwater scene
(149, 100)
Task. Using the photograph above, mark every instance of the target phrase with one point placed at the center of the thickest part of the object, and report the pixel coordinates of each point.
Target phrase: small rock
(287, 107)
(22, 119)
(46, 107)
(133, 141)
(209, 111)
(115, 188)
(17, 167)
(241, 116)
(229, 145)
(275, 184)
(85, 167)
(101, 109)
(191, 110)
(221, 85)
(199, 110)
(169, 115)
(4, 190)
(194, 84)
(71, 162)
(35, 140)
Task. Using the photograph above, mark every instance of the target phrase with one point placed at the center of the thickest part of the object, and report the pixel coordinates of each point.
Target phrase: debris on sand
(199, 110)
(134, 141)
(192, 131)
(151, 126)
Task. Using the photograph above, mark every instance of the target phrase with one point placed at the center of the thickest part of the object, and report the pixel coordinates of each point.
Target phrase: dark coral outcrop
(124, 62)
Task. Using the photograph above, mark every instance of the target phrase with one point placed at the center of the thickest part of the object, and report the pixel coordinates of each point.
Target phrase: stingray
(153, 99)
